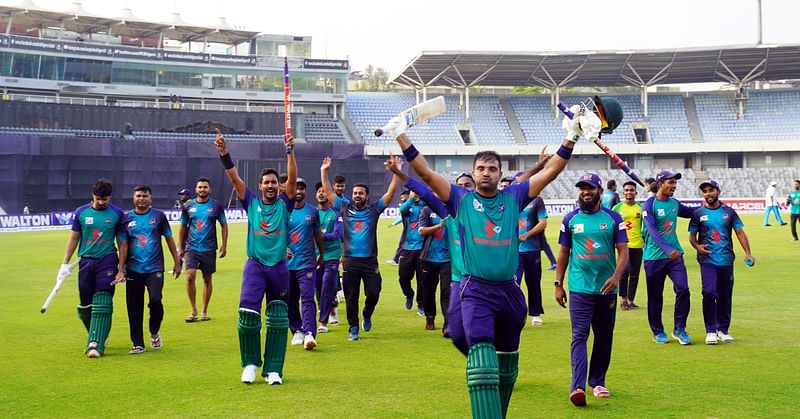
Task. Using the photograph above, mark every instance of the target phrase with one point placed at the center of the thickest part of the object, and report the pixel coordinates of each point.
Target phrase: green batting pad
(483, 381)
(508, 366)
(277, 330)
(102, 307)
(249, 326)
(85, 314)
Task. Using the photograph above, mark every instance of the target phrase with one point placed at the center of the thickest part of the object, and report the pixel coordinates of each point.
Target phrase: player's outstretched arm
(230, 170)
(326, 181)
(543, 159)
(390, 191)
(437, 183)
(291, 168)
(556, 163)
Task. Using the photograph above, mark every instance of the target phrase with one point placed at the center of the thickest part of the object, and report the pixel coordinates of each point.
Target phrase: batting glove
(64, 271)
(572, 126)
(397, 126)
(591, 125)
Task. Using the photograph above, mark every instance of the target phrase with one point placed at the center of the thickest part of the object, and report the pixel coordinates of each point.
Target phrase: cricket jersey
(303, 224)
(330, 223)
(528, 219)
(609, 199)
(632, 216)
(660, 221)
(360, 228)
(592, 239)
(794, 201)
(143, 233)
(98, 230)
(411, 210)
(201, 219)
(715, 227)
(435, 247)
(267, 227)
(489, 230)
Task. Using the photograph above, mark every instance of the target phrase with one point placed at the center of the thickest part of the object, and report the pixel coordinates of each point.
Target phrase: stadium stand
(322, 128)
(667, 119)
(768, 116)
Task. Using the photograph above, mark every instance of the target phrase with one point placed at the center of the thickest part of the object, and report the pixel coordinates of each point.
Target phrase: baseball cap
(711, 183)
(507, 179)
(666, 174)
(462, 175)
(184, 191)
(301, 180)
(773, 183)
(590, 179)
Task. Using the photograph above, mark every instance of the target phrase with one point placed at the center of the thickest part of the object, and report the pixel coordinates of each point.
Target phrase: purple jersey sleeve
(621, 231)
(565, 235)
(650, 222)
(248, 197)
(289, 202)
(123, 234)
(520, 192)
(457, 193)
(338, 232)
(427, 195)
(685, 211)
(694, 222)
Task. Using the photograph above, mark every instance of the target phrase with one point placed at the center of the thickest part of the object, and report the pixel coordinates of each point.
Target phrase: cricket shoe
(91, 350)
(409, 302)
(682, 336)
(249, 374)
(601, 392)
(724, 337)
(322, 329)
(711, 339)
(536, 321)
(660, 338)
(420, 311)
(297, 338)
(309, 342)
(367, 322)
(274, 378)
(353, 335)
(334, 318)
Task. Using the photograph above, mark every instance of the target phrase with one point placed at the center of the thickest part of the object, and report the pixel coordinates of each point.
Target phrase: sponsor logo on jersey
(603, 226)
(577, 228)
(132, 224)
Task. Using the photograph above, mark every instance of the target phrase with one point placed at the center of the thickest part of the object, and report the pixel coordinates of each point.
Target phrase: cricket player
(771, 205)
(710, 233)
(492, 305)
(328, 274)
(198, 244)
(142, 229)
(359, 247)
(631, 213)
(305, 239)
(434, 266)
(610, 196)
(95, 227)
(663, 256)
(339, 187)
(411, 248)
(532, 222)
(589, 237)
(794, 206)
(265, 271)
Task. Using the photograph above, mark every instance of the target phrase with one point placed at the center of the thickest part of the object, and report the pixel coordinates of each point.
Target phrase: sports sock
(85, 314)
(249, 326)
(508, 366)
(277, 328)
(102, 307)
(483, 381)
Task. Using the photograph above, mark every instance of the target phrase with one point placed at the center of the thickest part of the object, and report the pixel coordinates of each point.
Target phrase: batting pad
(249, 326)
(508, 366)
(483, 381)
(85, 314)
(277, 329)
(102, 307)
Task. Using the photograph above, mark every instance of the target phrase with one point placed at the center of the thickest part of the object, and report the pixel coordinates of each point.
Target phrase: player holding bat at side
(265, 272)
(492, 304)
(94, 230)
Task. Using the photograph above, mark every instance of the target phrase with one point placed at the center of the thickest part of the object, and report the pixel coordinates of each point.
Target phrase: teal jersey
(609, 199)
(794, 202)
(303, 226)
(592, 239)
(489, 230)
(267, 228)
(454, 248)
(411, 210)
(200, 218)
(660, 224)
(528, 218)
(98, 230)
(714, 228)
(435, 247)
(143, 233)
(331, 226)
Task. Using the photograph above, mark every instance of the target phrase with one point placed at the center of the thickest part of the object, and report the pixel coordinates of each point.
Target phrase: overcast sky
(389, 35)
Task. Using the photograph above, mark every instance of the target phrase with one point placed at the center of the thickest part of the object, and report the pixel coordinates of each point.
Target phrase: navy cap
(462, 175)
(184, 191)
(301, 180)
(590, 179)
(711, 183)
(507, 179)
(666, 174)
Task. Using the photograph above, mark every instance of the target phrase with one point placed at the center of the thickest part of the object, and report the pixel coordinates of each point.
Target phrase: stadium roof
(26, 14)
(731, 64)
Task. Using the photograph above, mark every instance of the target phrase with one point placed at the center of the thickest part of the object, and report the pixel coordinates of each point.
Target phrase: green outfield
(398, 369)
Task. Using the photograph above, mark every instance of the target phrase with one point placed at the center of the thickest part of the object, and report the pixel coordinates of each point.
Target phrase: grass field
(398, 369)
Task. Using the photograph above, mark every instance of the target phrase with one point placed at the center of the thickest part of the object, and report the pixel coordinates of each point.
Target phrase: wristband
(564, 152)
(410, 153)
(227, 161)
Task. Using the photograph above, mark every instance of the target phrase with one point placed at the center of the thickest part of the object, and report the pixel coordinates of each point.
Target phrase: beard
(589, 206)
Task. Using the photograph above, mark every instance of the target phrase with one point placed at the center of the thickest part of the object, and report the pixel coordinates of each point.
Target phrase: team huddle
(473, 240)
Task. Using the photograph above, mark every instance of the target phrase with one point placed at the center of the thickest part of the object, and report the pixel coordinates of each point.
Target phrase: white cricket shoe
(333, 319)
(322, 329)
(711, 338)
(249, 374)
(297, 339)
(726, 338)
(309, 342)
(536, 321)
(274, 378)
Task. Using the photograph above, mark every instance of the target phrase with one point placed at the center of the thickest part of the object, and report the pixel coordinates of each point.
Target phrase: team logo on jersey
(308, 274)
(308, 218)
(476, 205)
(638, 215)
(152, 221)
(502, 207)
(603, 227)
(577, 228)
(199, 224)
(295, 237)
(89, 220)
(704, 218)
(660, 212)
(142, 241)
(724, 216)
(716, 237)
(358, 227)
(108, 221)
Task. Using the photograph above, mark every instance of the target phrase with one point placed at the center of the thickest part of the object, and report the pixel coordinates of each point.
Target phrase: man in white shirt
(771, 205)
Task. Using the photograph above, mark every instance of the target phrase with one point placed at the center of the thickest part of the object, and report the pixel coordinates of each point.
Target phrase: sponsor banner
(326, 64)
(232, 60)
(742, 205)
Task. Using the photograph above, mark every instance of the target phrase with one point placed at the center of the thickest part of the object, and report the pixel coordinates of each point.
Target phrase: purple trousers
(327, 278)
(455, 325)
(717, 296)
(493, 312)
(598, 312)
(258, 279)
(96, 275)
(656, 272)
(530, 264)
(302, 284)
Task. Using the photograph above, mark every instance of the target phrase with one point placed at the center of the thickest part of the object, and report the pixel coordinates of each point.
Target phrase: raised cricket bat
(59, 282)
(419, 113)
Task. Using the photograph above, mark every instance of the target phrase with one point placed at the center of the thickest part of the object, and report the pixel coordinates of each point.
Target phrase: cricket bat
(59, 281)
(419, 113)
